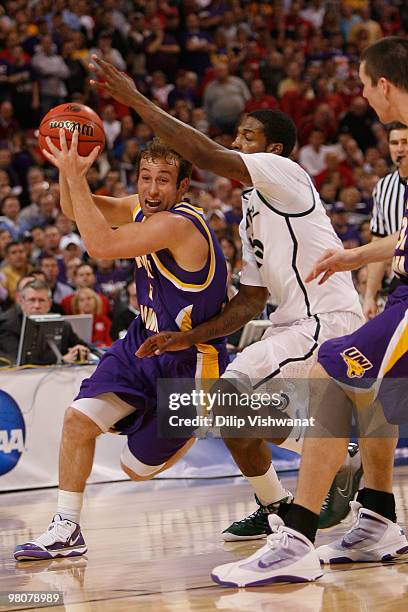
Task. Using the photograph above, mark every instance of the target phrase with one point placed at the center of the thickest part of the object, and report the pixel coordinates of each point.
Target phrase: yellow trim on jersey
(136, 208)
(171, 277)
(399, 351)
(183, 318)
(210, 367)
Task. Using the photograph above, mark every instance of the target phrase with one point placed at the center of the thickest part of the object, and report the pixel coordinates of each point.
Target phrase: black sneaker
(336, 506)
(255, 526)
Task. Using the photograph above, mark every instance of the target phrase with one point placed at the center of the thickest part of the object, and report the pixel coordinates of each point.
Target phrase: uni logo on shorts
(356, 363)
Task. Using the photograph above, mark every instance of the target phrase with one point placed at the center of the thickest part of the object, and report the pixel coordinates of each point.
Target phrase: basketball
(73, 117)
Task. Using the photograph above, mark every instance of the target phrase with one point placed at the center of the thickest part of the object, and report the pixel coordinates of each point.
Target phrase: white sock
(268, 487)
(69, 505)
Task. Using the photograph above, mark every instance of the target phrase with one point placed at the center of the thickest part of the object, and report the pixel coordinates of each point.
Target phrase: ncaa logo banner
(12, 433)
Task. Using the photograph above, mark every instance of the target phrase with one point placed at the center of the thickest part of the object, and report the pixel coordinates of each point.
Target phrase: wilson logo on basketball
(83, 128)
(356, 363)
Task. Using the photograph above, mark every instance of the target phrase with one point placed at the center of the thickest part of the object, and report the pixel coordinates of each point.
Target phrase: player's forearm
(236, 313)
(91, 223)
(379, 250)
(187, 141)
(65, 197)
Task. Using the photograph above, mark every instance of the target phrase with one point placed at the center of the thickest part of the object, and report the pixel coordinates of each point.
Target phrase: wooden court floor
(152, 547)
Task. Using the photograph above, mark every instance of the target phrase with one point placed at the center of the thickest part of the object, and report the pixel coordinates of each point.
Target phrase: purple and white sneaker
(63, 538)
(288, 556)
(371, 538)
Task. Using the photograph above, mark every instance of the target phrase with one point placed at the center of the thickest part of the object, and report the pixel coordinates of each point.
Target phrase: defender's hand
(334, 260)
(115, 83)
(162, 343)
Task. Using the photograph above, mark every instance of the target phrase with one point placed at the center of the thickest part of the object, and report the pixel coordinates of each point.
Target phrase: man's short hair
(11, 244)
(37, 285)
(83, 265)
(157, 149)
(388, 58)
(396, 125)
(278, 128)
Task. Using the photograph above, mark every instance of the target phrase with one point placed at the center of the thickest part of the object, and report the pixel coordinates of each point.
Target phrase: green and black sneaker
(256, 525)
(345, 485)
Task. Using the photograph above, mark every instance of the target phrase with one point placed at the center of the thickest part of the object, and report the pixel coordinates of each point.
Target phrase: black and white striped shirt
(388, 205)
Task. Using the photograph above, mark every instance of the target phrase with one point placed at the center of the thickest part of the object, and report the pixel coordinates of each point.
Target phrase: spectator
(230, 251)
(218, 223)
(40, 213)
(162, 49)
(160, 89)
(84, 278)
(185, 89)
(347, 233)
(333, 165)
(76, 82)
(358, 123)
(10, 208)
(16, 267)
(224, 99)
(24, 87)
(198, 45)
(259, 98)
(7, 166)
(271, 72)
(52, 72)
(110, 278)
(59, 290)
(357, 211)
(35, 299)
(70, 269)
(8, 123)
(106, 51)
(111, 125)
(122, 320)
(87, 301)
(37, 234)
(312, 157)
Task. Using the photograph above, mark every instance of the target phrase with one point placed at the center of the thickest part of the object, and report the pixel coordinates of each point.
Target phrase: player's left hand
(334, 260)
(67, 160)
(162, 343)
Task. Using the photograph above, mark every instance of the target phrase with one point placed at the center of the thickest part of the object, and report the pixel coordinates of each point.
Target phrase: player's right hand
(162, 343)
(370, 307)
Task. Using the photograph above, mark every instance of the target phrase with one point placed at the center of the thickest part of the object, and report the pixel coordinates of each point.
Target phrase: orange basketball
(72, 117)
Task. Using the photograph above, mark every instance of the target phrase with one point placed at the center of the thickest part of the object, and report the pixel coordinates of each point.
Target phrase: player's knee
(136, 469)
(79, 426)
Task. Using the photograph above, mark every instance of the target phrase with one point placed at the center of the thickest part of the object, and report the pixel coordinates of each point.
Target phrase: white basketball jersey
(284, 230)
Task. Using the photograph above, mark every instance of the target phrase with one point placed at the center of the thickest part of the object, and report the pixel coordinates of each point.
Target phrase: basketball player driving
(181, 281)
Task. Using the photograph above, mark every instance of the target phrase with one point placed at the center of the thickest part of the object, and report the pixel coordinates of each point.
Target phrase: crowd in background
(207, 63)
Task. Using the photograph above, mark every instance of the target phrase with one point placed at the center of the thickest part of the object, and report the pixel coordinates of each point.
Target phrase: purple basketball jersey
(174, 299)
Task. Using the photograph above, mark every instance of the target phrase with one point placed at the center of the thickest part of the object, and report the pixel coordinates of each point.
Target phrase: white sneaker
(63, 538)
(371, 538)
(288, 556)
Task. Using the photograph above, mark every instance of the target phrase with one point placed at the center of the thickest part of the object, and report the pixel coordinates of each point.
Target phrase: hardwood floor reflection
(152, 547)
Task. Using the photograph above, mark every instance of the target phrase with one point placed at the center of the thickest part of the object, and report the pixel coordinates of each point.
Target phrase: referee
(388, 209)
